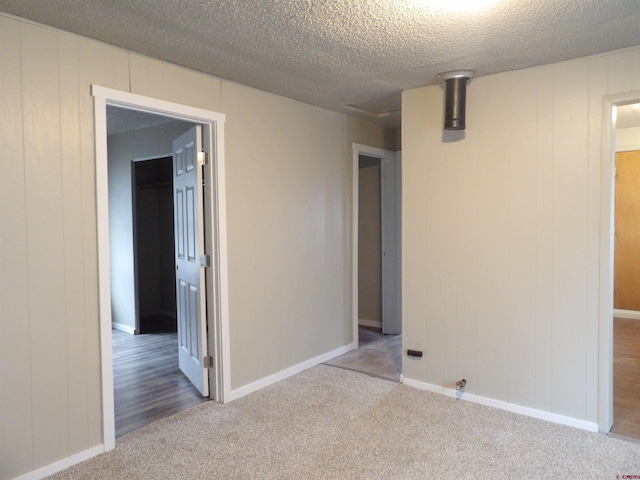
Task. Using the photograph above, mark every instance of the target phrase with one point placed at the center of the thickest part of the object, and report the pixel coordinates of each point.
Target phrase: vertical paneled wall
(288, 180)
(501, 233)
(49, 354)
(16, 442)
(40, 68)
(287, 194)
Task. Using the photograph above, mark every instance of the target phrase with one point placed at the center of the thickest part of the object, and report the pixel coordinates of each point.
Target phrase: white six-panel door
(188, 223)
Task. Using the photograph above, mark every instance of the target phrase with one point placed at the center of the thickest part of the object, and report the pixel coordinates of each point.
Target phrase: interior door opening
(216, 320)
(626, 274)
(150, 381)
(377, 296)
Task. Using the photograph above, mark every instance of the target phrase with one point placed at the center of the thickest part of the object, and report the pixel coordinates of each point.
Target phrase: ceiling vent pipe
(455, 98)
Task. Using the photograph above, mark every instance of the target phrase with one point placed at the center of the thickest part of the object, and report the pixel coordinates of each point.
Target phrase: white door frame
(605, 313)
(358, 150)
(215, 238)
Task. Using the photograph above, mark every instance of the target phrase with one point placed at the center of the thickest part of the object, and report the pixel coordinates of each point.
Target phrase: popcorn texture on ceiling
(335, 53)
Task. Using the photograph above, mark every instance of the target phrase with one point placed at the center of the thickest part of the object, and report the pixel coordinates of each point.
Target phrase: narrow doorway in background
(626, 322)
(379, 331)
(148, 383)
(370, 243)
(626, 272)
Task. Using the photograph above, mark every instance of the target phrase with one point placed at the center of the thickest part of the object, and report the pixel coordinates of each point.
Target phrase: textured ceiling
(123, 120)
(336, 53)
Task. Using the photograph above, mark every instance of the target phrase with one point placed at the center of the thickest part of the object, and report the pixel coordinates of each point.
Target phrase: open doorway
(626, 296)
(149, 379)
(206, 182)
(376, 265)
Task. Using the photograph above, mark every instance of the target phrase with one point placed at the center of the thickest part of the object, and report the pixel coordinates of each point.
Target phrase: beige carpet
(331, 423)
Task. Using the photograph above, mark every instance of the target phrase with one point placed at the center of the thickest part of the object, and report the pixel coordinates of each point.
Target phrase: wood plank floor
(377, 355)
(626, 377)
(148, 385)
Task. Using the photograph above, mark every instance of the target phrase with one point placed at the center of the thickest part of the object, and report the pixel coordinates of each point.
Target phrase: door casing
(388, 157)
(215, 238)
(605, 297)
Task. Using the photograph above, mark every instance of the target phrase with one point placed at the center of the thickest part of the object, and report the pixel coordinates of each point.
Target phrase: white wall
(628, 139)
(288, 181)
(123, 148)
(501, 234)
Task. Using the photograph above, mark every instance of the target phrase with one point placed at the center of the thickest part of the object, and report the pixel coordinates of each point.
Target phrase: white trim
(630, 314)
(63, 464)
(398, 245)
(104, 272)
(152, 157)
(288, 372)
(369, 323)
(123, 328)
(509, 407)
(605, 294)
(359, 149)
(217, 278)
(132, 101)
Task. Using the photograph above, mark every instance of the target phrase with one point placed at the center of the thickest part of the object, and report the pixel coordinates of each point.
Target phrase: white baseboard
(276, 377)
(62, 464)
(369, 323)
(632, 314)
(509, 407)
(123, 328)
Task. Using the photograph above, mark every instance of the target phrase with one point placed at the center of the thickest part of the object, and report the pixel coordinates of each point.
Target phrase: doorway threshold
(378, 355)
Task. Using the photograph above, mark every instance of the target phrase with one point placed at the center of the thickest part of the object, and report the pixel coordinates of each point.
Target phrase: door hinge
(204, 261)
(203, 158)
(207, 361)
